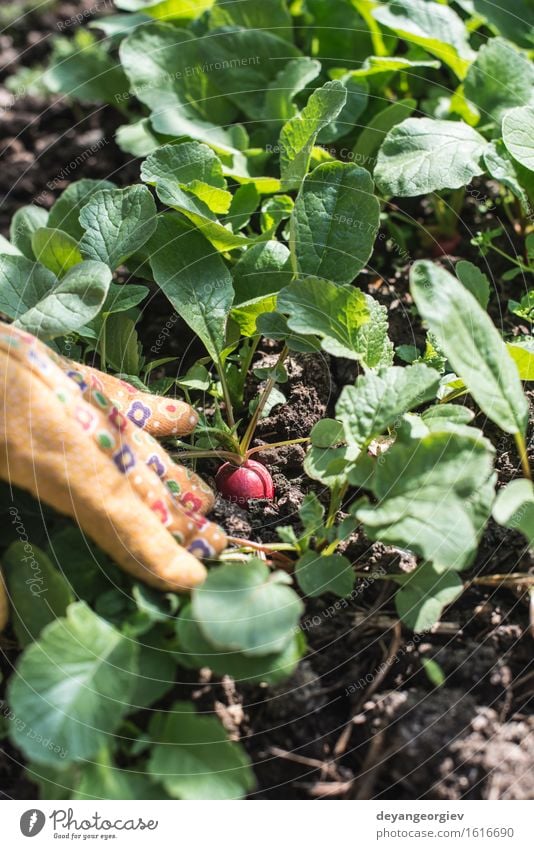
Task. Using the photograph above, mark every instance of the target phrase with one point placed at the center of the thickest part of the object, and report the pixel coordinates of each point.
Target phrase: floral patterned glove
(81, 441)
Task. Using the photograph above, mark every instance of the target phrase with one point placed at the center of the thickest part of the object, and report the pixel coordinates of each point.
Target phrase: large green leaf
(289, 81)
(503, 167)
(193, 758)
(117, 222)
(70, 303)
(22, 284)
(88, 73)
(41, 304)
(72, 688)
(514, 19)
(349, 323)
(337, 33)
(299, 134)
(245, 62)
(433, 26)
(167, 9)
(269, 669)
(24, 223)
(518, 134)
(334, 313)
(499, 79)
(65, 212)
(334, 222)
(262, 270)
(193, 167)
(423, 596)
(38, 593)
(376, 129)
(379, 398)
(472, 343)
(167, 73)
(514, 508)
(56, 250)
(247, 609)
(319, 574)
(269, 16)
(423, 155)
(434, 495)
(194, 278)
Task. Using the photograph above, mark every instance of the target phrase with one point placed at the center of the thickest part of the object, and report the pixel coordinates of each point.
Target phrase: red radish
(244, 484)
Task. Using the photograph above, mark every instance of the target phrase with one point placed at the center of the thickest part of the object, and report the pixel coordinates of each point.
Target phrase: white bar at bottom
(254, 825)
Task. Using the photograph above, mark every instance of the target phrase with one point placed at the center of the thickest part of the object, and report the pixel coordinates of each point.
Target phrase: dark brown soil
(360, 718)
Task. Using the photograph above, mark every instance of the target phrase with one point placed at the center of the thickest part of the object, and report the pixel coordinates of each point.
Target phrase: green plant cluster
(278, 140)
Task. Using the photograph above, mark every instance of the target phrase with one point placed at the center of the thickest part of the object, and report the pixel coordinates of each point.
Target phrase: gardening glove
(80, 441)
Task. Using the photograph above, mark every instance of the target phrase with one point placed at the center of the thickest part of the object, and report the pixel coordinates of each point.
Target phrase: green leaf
(7, 248)
(247, 609)
(499, 79)
(317, 575)
(423, 597)
(327, 433)
(268, 669)
(334, 313)
(472, 344)
(72, 687)
(437, 417)
(274, 211)
(391, 64)
(376, 130)
(85, 567)
(522, 353)
(423, 155)
(300, 132)
(65, 212)
(22, 284)
(503, 167)
(474, 280)
(70, 303)
(168, 73)
(56, 250)
(329, 466)
(434, 496)
(122, 297)
(289, 81)
(117, 222)
(102, 779)
(193, 758)
(334, 222)
(24, 223)
(195, 280)
(433, 671)
(38, 593)
(262, 270)
(121, 344)
(518, 134)
(167, 9)
(514, 19)
(380, 398)
(245, 62)
(336, 32)
(311, 511)
(514, 508)
(433, 26)
(244, 204)
(269, 16)
(193, 167)
(87, 73)
(357, 99)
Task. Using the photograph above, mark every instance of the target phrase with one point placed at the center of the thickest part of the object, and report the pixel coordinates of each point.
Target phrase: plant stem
(197, 455)
(523, 454)
(269, 386)
(226, 395)
(511, 259)
(270, 445)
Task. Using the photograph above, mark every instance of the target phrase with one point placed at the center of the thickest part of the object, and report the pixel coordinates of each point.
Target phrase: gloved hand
(80, 441)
